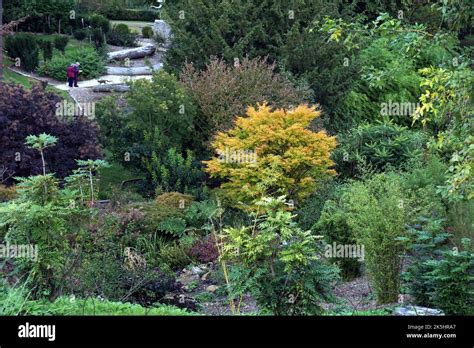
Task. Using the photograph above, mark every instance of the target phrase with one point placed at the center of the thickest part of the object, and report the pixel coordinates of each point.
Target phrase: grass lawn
(10, 76)
(72, 45)
(135, 26)
(13, 77)
(112, 177)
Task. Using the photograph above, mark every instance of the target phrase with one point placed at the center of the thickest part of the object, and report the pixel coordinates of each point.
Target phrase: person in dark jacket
(70, 75)
(77, 71)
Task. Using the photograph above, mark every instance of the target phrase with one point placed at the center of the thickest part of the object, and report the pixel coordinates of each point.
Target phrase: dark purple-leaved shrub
(205, 250)
(32, 112)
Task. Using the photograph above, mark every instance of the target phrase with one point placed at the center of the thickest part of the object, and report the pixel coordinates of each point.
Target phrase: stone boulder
(162, 30)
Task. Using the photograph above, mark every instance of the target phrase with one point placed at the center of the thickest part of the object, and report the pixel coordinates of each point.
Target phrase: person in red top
(71, 74)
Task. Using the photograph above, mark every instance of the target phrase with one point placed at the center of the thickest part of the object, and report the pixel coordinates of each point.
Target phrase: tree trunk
(132, 53)
(144, 70)
(111, 88)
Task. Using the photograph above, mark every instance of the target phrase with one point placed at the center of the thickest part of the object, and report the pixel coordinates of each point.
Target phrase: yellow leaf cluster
(288, 158)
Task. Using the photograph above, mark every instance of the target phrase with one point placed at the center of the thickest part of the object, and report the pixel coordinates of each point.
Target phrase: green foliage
(173, 172)
(390, 53)
(80, 34)
(446, 106)
(41, 142)
(377, 213)
(98, 38)
(47, 48)
(147, 32)
(439, 275)
(40, 189)
(60, 42)
(99, 22)
(453, 277)
(120, 35)
(333, 224)
(45, 16)
(24, 47)
(425, 239)
(47, 224)
(329, 69)
(7, 193)
(380, 146)
(92, 64)
(310, 211)
(152, 133)
(219, 28)
(15, 301)
(172, 254)
(278, 262)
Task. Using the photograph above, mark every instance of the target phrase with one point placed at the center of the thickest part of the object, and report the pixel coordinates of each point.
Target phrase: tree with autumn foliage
(271, 153)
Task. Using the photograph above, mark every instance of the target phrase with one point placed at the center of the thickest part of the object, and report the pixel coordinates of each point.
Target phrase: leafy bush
(147, 32)
(173, 172)
(98, 38)
(452, 278)
(424, 242)
(278, 262)
(92, 64)
(120, 35)
(47, 48)
(205, 250)
(127, 14)
(43, 215)
(80, 34)
(445, 107)
(380, 146)
(173, 254)
(333, 224)
(7, 193)
(33, 112)
(60, 42)
(24, 47)
(309, 212)
(377, 213)
(175, 199)
(159, 116)
(287, 159)
(440, 276)
(224, 91)
(99, 22)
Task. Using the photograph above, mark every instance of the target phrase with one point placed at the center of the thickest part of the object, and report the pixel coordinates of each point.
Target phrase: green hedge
(130, 14)
(92, 64)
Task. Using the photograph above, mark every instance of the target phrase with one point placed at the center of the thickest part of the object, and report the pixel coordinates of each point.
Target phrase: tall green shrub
(377, 213)
(24, 47)
(60, 42)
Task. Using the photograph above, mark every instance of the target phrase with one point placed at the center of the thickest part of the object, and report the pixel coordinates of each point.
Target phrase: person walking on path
(76, 73)
(70, 75)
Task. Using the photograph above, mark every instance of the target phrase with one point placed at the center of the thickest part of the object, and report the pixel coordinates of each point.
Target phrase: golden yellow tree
(271, 153)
